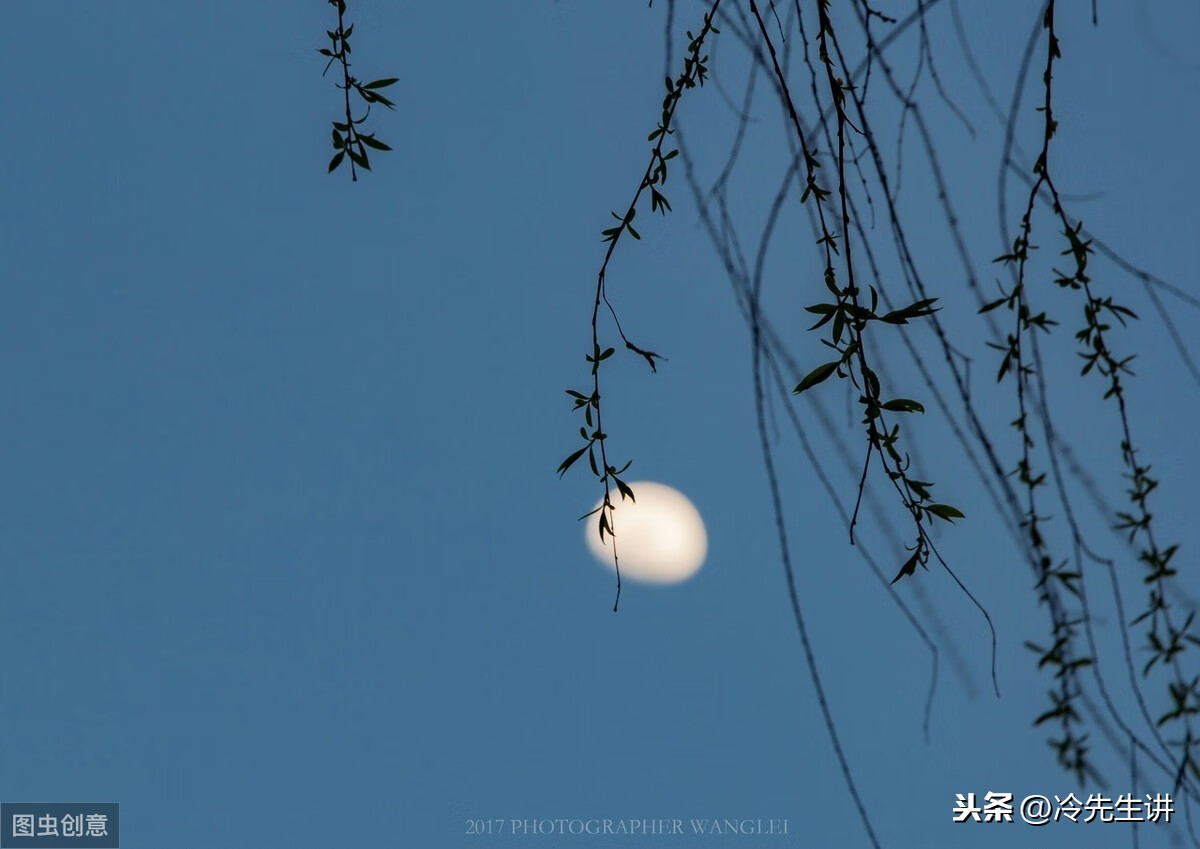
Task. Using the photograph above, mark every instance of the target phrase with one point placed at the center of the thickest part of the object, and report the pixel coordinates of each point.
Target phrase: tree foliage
(830, 74)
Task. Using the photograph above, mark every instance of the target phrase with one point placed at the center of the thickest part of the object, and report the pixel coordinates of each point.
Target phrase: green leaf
(371, 141)
(823, 319)
(381, 83)
(872, 383)
(903, 405)
(626, 492)
(570, 461)
(608, 352)
(830, 281)
(909, 568)
(945, 511)
(336, 161)
(817, 375)
(914, 310)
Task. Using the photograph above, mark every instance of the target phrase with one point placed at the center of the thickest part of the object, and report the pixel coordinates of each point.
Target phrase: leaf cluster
(694, 73)
(1166, 641)
(347, 140)
(846, 313)
(593, 436)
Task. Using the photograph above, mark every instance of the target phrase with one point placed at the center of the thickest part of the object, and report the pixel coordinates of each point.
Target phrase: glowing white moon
(660, 537)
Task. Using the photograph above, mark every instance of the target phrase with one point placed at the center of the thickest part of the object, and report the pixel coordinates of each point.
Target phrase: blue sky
(285, 558)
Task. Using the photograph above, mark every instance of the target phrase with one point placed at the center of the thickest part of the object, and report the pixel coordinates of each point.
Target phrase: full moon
(660, 537)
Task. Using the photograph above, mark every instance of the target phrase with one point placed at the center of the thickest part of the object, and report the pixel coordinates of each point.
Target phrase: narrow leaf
(909, 568)
(903, 405)
(945, 511)
(371, 141)
(570, 461)
(817, 375)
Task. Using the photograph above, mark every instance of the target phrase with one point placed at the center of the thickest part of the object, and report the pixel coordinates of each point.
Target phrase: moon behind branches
(660, 537)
